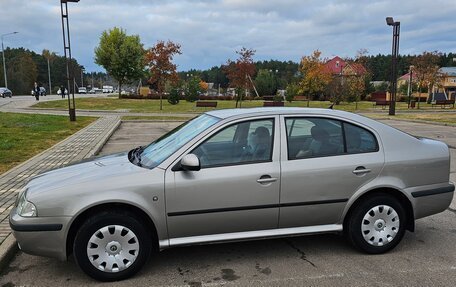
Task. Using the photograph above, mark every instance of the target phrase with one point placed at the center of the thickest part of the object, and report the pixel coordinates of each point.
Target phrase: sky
(211, 31)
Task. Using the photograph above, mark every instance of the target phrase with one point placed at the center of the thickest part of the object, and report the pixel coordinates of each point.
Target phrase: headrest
(261, 132)
(319, 134)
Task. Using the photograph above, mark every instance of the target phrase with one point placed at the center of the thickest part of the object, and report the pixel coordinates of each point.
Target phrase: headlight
(25, 208)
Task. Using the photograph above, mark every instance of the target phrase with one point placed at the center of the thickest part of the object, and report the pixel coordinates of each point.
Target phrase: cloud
(211, 30)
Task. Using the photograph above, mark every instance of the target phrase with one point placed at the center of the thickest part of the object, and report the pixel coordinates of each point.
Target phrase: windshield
(166, 145)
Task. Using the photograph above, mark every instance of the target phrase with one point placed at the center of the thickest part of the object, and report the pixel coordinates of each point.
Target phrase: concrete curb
(8, 247)
(105, 138)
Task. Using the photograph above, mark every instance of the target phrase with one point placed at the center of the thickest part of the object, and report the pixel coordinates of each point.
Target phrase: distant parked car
(108, 89)
(95, 91)
(237, 174)
(4, 92)
(82, 90)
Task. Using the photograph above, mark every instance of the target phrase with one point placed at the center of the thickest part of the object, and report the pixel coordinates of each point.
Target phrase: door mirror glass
(190, 162)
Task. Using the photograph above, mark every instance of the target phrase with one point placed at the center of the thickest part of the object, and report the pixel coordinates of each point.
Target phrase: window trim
(245, 162)
(342, 123)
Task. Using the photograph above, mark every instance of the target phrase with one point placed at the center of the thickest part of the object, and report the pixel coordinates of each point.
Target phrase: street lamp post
(409, 90)
(49, 77)
(3, 56)
(395, 51)
(67, 54)
(82, 76)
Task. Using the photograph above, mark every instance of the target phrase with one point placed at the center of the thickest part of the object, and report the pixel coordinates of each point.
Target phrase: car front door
(237, 187)
(324, 163)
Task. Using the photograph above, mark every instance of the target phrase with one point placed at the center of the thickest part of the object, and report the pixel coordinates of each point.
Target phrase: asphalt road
(426, 257)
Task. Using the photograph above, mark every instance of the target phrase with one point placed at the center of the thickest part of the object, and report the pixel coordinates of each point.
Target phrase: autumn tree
(121, 55)
(159, 58)
(315, 75)
(240, 72)
(203, 85)
(426, 70)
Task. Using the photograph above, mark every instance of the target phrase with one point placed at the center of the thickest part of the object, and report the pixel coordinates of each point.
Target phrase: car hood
(95, 169)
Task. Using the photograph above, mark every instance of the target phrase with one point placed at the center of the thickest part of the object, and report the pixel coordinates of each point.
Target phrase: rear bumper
(43, 236)
(432, 199)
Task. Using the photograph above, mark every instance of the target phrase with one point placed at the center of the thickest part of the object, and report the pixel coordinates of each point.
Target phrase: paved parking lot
(426, 257)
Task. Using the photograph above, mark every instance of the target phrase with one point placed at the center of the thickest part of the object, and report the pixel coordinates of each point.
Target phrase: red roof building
(354, 69)
(335, 65)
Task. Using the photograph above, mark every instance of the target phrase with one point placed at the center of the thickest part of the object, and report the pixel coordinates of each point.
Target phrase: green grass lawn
(25, 135)
(153, 106)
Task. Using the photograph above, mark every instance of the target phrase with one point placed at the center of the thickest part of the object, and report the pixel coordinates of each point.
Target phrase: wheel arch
(140, 214)
(397, 194)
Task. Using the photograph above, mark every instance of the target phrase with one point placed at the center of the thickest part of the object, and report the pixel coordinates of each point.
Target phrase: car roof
(228, 113)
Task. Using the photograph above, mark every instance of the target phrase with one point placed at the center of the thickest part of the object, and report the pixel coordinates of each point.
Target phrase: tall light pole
(67, 54)
(395, 51)
(82, 76)
(409, 89)
(3, 56)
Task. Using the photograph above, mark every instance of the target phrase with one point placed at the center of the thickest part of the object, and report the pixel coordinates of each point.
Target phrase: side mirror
(190, 162)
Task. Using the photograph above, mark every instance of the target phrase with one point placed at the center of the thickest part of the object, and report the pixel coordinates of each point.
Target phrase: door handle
(360, 170)
(266, 179)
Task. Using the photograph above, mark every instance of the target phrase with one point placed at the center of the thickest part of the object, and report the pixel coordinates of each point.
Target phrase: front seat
(261, 144)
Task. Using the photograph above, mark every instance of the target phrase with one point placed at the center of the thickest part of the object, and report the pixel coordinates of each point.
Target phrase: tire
(114, 233)
(377, 224)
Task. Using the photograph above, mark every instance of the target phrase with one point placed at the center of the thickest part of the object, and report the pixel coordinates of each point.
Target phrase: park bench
(300, 98)
(382, 103)
(273, 104)
(203, 104)
(443, 103)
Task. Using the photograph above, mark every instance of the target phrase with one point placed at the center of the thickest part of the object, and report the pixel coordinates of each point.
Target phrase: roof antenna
(331, 107)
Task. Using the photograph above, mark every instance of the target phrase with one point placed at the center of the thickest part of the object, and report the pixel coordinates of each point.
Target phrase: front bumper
(43, 236)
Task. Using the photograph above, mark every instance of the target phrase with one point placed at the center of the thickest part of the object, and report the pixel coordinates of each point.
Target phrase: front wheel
(377, 224)
(112, 246)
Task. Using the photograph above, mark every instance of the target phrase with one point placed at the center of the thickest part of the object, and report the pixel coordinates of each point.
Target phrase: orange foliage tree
(161, 67)
(240, 72)
(426, 69)
(203, 85)
(315, 75)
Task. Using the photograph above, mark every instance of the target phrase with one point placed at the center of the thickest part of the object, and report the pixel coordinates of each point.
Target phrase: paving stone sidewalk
(83, 144)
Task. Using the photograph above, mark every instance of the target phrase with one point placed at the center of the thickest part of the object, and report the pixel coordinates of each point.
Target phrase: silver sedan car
(235, 175)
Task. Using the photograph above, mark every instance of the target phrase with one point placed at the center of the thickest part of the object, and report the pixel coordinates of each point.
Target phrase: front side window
(240, 143)
(159, 150)
(313, 137)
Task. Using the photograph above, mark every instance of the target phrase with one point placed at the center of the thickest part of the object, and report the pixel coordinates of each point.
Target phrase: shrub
(173, 97)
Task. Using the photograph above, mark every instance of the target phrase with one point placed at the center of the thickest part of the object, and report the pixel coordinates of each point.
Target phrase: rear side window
(314, 137)
(320, 137)
(359, 140)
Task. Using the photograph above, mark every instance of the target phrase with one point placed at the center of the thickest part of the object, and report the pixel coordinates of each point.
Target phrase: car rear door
(324, 162)
(236, 190)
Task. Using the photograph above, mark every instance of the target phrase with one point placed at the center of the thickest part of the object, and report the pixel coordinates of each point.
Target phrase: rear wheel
(377, 224)
(112, 246)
